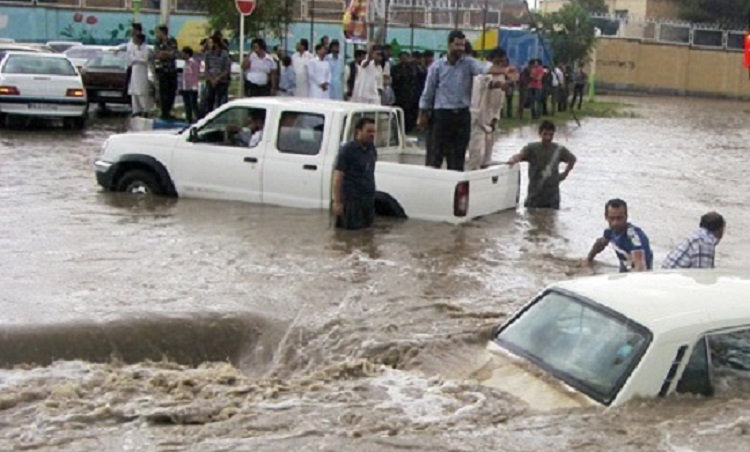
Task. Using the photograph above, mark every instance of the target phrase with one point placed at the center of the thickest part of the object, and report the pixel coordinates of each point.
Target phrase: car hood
(514, 375)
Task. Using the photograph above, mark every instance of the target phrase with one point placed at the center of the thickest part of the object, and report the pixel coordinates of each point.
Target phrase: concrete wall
(676, 69)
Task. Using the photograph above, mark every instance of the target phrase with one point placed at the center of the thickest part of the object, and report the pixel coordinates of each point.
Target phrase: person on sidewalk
(138, 85)
(165, 68)
(190, 80)
(319, 74)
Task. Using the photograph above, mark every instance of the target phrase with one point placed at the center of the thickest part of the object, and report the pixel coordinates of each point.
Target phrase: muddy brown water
(215, 326)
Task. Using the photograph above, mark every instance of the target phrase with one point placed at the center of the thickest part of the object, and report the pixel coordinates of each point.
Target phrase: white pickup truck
(293, 162)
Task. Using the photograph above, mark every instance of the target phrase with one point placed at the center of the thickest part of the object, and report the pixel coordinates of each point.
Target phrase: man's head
(456, 44)
(187, 52)
(416, 56)
(303, 45)
(335, 47)
(136, 28)
(325, 40)
(286, 61)
(616, 214)
(259, 46)
(216, 43)
(547, 131)
(387, 49)
(320, 51)
(359, 55)
(364, 131)
(162, 32)
(713, 223)
(499, 57)
(429, 57)
(139, 38)
(404, 57)
(278, 51)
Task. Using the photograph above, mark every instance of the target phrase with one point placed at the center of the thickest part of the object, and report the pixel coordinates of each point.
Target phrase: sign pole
(241, 87)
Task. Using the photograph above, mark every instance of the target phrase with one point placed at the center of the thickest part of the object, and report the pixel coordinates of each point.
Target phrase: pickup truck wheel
(139, 182)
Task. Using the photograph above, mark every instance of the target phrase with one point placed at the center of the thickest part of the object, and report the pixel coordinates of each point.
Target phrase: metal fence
(697, 35)
(176, 6)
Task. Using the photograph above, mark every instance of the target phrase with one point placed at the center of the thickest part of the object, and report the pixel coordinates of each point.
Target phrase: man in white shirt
(369, 84)
(260, 71)
(319, 74)
(299, 62)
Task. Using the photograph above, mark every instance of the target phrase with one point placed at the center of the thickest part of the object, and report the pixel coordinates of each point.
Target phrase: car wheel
(79, 123)
(139, 182)
(2, 120)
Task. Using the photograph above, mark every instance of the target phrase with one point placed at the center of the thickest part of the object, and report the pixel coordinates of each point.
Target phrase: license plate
(110, 93)
(42, 107)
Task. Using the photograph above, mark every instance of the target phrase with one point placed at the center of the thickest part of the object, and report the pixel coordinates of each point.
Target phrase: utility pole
(164, 12)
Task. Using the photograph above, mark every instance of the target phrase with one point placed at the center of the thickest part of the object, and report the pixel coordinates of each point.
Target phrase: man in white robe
(368, 86)
(299, 63)
(138, 85)
(319, 74)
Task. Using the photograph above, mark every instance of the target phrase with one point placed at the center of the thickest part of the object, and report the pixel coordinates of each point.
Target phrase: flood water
(213, 326)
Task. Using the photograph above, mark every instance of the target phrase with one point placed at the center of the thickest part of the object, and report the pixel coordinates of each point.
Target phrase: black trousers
(190, 99)
(214, 97)
(253, 90)
(358, 214)
(577, 93)
(451, 132)
(167, 92)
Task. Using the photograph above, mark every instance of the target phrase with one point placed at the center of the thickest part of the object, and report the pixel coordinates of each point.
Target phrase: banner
(355, 22)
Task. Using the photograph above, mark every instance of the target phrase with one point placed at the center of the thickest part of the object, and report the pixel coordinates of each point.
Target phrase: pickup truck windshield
(584, 345)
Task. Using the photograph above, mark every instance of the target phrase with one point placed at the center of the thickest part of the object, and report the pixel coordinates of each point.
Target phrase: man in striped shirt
(699, 248)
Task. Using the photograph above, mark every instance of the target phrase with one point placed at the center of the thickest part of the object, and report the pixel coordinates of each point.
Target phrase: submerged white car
(41, 85)
(604, 340)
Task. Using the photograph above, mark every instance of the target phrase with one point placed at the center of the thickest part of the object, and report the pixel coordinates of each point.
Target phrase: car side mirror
(193, 135)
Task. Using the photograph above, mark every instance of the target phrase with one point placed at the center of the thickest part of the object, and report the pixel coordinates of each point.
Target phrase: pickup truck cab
(287, 157)
(605, 340)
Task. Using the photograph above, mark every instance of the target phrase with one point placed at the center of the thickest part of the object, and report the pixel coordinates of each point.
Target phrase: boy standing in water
(544, 158)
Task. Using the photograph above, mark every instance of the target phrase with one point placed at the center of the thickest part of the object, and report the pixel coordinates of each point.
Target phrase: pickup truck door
(293, 170)
(216, 160)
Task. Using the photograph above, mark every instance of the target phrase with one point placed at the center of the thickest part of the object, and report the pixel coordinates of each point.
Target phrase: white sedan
(41, 85)
(605, 340)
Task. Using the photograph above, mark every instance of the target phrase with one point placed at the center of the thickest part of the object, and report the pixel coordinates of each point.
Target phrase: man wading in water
(354, 179)
(544, 159)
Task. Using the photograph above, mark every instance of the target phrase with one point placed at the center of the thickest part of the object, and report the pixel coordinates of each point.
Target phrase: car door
(217, 161)
(293, 170)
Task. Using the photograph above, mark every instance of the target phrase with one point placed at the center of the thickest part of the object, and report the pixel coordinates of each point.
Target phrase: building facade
(655, 9)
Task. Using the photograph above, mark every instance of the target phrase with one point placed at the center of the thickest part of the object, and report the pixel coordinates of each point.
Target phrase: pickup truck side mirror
(193, 135)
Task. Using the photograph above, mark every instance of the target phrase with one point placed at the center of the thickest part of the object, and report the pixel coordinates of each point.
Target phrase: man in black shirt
(354, 179)
(165, 67)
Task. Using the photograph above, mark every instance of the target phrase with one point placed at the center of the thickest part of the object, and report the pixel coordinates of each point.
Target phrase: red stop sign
(245, 7)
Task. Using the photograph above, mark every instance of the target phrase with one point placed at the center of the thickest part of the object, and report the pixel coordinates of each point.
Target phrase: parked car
(62, 46)
(7, 40)
(79, 55)
(605, 340)
(105, 78)
(41, 85)
(293, 163)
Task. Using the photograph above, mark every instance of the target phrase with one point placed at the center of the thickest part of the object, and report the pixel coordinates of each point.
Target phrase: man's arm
(338, 183)
(570, 161)
(599, 246)
(427, 100)
(520, 157)
(639, 260)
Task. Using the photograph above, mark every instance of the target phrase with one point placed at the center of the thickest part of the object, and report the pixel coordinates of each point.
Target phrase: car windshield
(108, 60)
(38, 64)
(586, 346)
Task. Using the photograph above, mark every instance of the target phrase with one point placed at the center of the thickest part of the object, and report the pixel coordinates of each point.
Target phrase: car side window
(238, 127)
(696, 378)
(300, 133)
(386, 128)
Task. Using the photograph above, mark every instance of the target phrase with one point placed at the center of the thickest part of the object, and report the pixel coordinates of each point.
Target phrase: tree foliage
(728, 13)
(569, 32)
(593, 6)
(268, 19)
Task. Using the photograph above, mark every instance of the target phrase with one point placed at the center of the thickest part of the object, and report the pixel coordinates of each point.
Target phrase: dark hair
(137, 25)
(468, 49)
(713, 222)
(261, 43)
(547, 125)
(318, 47)
(362, 122)
(417, 54)
(404, 53)
(163, 28)
(615, 203)
(217, 41)
(334, 43)
(187, 51)
(360, 52)
(141, 37)
(498, 52)
(455, 34)
(304, 43)
(428, 54)
(286, 61)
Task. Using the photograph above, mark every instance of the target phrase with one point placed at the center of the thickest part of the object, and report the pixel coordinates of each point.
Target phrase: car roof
(20, 47)
(316, 104)
(38, 54)
(672, 300)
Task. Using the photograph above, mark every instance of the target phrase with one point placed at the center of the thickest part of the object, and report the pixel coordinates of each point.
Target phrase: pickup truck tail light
(461, 199)
(6, 90)
(74, 92)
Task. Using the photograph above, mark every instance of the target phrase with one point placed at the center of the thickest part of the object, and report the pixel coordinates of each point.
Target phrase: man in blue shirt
(447, 93)
(629, 242)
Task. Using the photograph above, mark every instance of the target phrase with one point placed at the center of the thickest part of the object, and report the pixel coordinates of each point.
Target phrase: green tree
(267, 20)
(569, 32)
(727, 13)
(593, 6)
